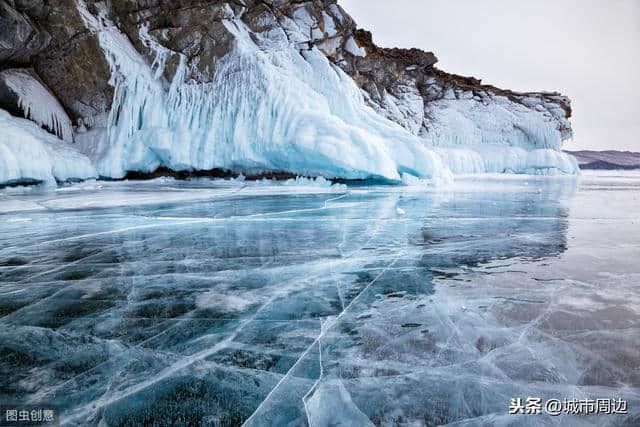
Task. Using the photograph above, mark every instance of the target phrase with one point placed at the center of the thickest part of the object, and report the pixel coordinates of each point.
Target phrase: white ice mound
(28, 153)
(269, 106)
(38, 103)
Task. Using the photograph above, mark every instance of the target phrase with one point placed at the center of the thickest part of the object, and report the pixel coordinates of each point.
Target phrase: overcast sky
(586, 49)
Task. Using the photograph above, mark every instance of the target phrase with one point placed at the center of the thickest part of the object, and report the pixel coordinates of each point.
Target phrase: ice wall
(271, 106)
(281, 86)
(28, 154)
(497, 136)
(266, 109)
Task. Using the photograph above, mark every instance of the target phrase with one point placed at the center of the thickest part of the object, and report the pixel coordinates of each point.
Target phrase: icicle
(37, 103)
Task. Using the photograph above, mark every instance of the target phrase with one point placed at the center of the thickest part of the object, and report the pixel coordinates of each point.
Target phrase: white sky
(586, 49)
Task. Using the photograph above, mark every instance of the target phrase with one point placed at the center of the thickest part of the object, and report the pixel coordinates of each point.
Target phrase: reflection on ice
(226, 303)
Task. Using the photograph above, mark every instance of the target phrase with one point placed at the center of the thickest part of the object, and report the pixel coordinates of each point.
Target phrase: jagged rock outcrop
(70, 45)
(51, 38)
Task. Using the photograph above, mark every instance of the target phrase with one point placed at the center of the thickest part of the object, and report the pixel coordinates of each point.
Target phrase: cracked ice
(225, 302)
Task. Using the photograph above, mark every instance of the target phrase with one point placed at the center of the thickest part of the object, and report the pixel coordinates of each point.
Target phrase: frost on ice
(37, 103)
(271, 106)
(28, 154)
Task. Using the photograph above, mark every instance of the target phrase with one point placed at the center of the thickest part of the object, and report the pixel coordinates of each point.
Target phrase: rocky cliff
(216, 71)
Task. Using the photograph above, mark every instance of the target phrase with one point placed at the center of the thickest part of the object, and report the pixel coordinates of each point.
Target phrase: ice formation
(38, 103)
(280, 98)
(28, 154)
(275, 109)
(271, 106)
(508, 137)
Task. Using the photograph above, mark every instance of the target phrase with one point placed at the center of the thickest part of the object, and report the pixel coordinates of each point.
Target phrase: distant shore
(607, 160)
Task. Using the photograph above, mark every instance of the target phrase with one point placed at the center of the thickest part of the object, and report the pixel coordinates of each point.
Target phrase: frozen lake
(218, 303)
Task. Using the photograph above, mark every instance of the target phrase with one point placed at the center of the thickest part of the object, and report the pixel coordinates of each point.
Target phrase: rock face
(21, 38)
(51, 38)
(76, 49)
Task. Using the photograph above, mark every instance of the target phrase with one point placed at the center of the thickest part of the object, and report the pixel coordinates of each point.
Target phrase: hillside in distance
(609, 159)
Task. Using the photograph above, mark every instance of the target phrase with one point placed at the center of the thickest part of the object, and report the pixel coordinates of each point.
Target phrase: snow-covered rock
(353, 48)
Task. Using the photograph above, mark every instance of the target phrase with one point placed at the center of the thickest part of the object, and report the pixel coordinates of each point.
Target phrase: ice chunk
(28, 153)
(38, 103)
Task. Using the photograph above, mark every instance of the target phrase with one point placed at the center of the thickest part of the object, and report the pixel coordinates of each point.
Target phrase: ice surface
(38, 103)
(331, 405)
(28, 154)
(219, 303)
(273, 106)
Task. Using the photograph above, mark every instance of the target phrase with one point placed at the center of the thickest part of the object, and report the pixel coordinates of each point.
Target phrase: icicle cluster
(38, 103)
